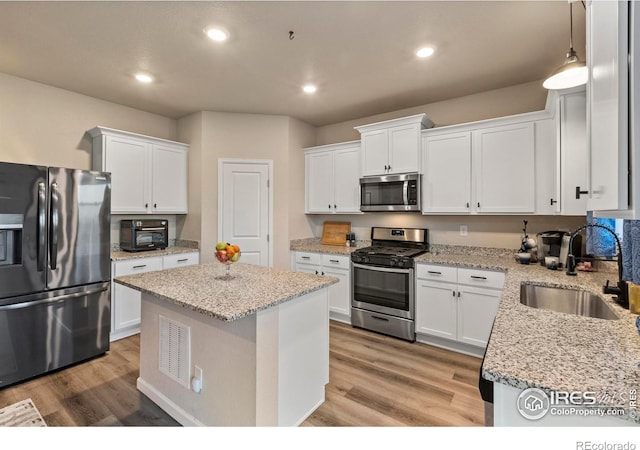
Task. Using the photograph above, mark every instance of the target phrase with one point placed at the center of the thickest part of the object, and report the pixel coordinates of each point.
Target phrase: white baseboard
(340, 317)
(167, 405)
(458, 347)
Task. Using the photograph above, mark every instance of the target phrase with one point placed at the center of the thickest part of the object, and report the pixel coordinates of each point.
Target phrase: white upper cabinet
(332, 179)
(127, 160)
(392, 146)
(562, 155)
(148, 175)
(608, 104)
(547, 167)
(446, 173)
(482, 169)
(503, 168)
(573, 153)
(169, 176)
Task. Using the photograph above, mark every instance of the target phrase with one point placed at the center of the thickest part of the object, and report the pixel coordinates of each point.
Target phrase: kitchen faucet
(621, 289)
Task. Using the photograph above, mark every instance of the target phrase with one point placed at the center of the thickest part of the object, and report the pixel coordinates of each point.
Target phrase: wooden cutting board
(335, 233)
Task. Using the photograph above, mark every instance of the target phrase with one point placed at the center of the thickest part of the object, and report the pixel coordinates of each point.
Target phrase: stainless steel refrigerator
(54, 268)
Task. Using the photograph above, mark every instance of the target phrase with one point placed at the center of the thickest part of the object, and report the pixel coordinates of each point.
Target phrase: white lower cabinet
(456, 307)
(125, 302)
(332, 266)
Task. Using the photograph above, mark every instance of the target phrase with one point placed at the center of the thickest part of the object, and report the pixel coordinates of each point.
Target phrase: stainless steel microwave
(390, 192)
(140, 235)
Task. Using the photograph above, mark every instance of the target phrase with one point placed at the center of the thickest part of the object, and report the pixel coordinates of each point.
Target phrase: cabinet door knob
(385, 167)
(329, 206)
(478, 204)
(467, 204)
(552, 202)
(335, 207)
(579, 192)
(146, 205)
(155, 205)
(389, 168)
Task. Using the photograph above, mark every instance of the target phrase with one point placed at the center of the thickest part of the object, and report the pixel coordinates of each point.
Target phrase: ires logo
(560, 398)
(534, 404)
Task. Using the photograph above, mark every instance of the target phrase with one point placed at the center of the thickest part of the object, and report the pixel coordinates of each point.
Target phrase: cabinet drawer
(436, 272)
(137, 265)
(180, 259)
(481, 278)
(308, 258)
(342, 262)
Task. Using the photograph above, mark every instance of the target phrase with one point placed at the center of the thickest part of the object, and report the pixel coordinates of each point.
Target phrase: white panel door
(375, 152)
(127, 160)
(346, 180)
(477, 309)
(446, 168)
(574, 153)
(404, 148)
(436, 309)
(244, 209)
(339, 300)
(319, 186)
(169, 183)
(607, 92)
(504, 169)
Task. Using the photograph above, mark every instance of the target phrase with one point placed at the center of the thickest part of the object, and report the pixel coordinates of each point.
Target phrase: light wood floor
(374, 381)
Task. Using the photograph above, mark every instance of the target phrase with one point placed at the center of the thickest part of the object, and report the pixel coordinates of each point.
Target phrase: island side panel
(226, 352)
(292, 359)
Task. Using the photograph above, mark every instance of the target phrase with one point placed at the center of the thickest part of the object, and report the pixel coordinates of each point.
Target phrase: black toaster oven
(143, 234)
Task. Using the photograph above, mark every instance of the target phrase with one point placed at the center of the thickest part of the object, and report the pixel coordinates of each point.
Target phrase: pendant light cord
(571, 26)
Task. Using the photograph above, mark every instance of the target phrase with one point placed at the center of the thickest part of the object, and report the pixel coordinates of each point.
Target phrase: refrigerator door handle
(55, 220)
(53, 299)
(42, 226)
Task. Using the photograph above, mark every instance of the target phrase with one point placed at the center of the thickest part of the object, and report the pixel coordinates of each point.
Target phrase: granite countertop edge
(215, 311)
(118, 255)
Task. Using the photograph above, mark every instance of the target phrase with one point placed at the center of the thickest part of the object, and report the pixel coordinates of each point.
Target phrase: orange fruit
(236, 248)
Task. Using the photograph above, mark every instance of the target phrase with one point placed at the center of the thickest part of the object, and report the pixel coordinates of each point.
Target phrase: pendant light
(573, 72)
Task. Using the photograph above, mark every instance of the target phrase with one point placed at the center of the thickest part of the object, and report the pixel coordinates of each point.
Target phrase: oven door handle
(382, 269)
(150, 229)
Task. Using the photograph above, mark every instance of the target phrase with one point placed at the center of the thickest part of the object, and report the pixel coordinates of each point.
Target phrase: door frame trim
(269, 164)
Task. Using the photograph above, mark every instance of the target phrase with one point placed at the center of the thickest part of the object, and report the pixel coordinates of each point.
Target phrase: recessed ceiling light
(144, 78)
(309, 88)
(217, 34)
(425, 52)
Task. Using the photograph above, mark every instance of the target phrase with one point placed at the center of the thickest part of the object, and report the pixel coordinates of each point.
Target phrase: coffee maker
(556, 243)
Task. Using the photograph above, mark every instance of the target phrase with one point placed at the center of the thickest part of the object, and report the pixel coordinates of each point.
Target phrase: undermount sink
(569, 301)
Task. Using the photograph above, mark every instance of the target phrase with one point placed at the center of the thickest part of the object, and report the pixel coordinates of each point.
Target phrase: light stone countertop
(200, 287)
(314, 245)
(121, 256)
(553, 351)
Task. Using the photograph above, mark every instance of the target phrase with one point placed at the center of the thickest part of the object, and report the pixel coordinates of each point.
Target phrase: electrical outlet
(463, 230)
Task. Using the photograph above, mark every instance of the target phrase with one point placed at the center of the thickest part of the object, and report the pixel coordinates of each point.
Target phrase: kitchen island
(252, 350)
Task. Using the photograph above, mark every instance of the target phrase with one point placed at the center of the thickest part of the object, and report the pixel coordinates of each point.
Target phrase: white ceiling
(360, 54)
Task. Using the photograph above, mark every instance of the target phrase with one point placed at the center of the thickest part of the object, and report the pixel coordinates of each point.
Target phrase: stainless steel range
(382, 289)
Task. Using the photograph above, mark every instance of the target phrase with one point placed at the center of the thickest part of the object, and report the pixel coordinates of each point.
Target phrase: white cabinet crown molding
(489, 123)
(417, 118)
(105, 131)
(328, 147)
